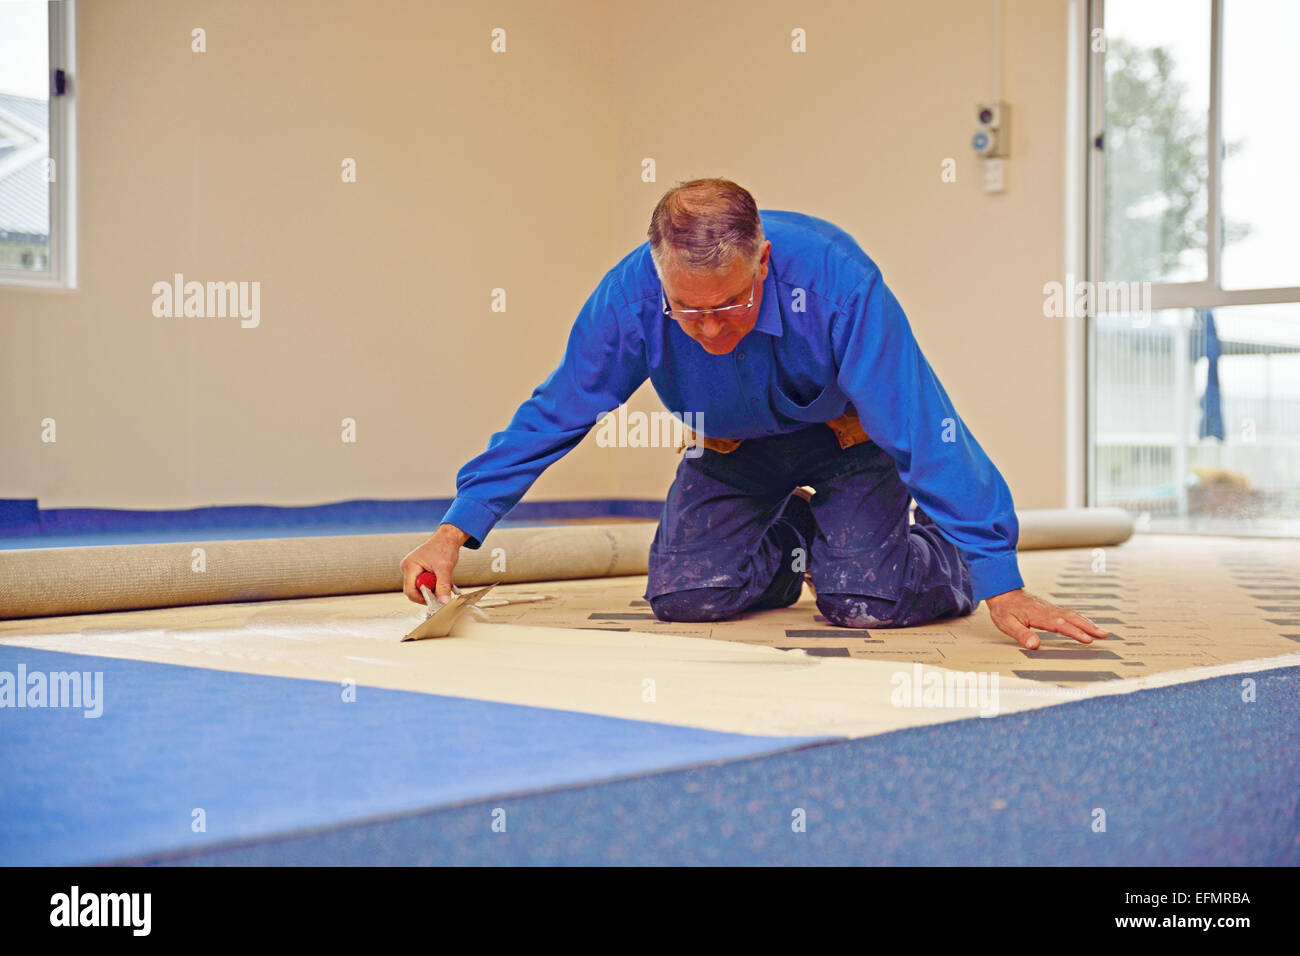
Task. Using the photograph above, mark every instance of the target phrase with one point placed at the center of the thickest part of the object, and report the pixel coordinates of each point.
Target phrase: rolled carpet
(43, 582)
(1042, 528)
(49, 581)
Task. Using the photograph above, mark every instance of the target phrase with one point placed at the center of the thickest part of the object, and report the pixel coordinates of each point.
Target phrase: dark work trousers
(734, 537)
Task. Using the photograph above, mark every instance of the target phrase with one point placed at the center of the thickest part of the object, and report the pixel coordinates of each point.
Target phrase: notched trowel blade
(441, 621)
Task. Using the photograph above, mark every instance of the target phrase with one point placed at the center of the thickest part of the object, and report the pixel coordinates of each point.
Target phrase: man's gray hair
(704, 225)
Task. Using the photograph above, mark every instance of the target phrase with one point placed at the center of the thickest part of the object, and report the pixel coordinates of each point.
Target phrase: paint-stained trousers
(734, 537)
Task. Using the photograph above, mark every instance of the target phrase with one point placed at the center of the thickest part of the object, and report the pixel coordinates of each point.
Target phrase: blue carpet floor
(265, 755)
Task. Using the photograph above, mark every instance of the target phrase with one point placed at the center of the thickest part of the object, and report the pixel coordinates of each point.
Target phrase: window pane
(1261, 133)
(1196, 442)
(24, 136)
(1156, 128)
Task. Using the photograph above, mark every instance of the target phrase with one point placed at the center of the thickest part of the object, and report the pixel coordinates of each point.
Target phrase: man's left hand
(1017, 612)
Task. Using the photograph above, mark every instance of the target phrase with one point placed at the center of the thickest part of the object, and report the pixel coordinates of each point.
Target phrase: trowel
(442, 617)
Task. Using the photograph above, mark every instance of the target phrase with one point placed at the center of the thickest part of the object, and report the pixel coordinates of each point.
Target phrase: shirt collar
(769, 313)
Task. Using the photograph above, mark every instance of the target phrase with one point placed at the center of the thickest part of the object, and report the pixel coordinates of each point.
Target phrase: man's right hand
(439, 554)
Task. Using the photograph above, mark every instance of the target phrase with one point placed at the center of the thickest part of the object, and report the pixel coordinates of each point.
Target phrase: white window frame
(61, 276)
(1084, 187)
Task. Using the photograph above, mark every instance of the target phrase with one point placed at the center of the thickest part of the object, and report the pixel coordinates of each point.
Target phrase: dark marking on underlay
(1065, 638)
(1134, 664)
(1285, 621)
(1070, 654)
(1277, 608)
(639, 602)
(1292, 637)
(1060, 676)
(619, 616)
(581, 628)
(1106, 620)
(819, 651)
(846, 633)
(1093, 607)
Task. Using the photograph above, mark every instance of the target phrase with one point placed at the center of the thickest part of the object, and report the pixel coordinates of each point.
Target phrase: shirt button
(740, 355)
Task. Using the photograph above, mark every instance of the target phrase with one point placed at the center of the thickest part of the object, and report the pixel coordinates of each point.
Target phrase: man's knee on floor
(857, 610)
(695, 606)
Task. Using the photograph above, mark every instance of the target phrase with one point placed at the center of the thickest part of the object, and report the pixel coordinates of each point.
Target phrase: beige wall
(476, 171)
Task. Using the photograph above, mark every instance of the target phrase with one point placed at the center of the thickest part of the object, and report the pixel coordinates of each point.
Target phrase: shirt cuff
(473, 517)
(991, 576)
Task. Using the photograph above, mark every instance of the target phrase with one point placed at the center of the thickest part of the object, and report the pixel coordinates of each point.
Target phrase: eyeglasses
(690, 315)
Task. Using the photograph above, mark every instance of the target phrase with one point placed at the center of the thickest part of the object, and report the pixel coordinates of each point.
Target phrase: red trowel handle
(427, 579)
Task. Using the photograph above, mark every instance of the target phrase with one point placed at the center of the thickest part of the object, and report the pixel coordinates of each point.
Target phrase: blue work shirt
(829, 334)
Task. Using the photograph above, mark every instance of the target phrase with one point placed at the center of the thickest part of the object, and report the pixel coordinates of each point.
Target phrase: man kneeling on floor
(776, 332)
